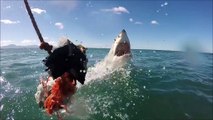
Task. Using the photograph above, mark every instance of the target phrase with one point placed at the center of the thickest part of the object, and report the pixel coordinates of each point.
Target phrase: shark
(117, 57)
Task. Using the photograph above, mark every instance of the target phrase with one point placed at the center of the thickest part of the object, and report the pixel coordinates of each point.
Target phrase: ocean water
(154, 85)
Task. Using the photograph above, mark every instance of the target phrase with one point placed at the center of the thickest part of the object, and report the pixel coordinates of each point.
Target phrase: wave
(116, 91)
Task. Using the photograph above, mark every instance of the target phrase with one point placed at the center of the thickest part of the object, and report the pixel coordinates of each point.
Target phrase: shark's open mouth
(122, 48)
(122, 44)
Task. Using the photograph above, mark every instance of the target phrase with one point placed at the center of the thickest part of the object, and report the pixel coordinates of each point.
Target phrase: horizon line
(19, 46)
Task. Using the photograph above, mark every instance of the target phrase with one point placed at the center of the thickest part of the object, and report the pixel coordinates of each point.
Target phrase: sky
(154, 24)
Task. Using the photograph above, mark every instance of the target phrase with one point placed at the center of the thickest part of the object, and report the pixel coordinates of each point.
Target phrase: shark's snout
(122, 44)
(123, 30)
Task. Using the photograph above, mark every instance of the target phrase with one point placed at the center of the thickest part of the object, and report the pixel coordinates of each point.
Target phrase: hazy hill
(17, 46)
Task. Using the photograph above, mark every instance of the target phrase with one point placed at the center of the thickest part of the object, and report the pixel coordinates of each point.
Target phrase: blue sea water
(154, 85)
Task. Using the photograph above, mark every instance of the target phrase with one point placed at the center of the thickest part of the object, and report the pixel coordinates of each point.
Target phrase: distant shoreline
(36, 46)
(17, 46)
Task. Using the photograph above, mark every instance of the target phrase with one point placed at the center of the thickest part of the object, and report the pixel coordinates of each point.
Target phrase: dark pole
(33, 21)
(36, 26)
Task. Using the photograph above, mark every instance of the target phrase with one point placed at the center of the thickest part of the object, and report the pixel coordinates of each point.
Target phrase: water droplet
(187, 115)
(126, 116)
(1, 107)
(17, 90)
(144, 87)
(127, 104)
(1, 96)
(164, 67)
(2, 79)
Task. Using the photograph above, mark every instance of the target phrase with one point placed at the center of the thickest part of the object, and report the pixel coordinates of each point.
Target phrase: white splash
(106, 67)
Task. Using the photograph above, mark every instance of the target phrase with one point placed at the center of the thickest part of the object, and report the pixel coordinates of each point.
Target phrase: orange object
(64, 87)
